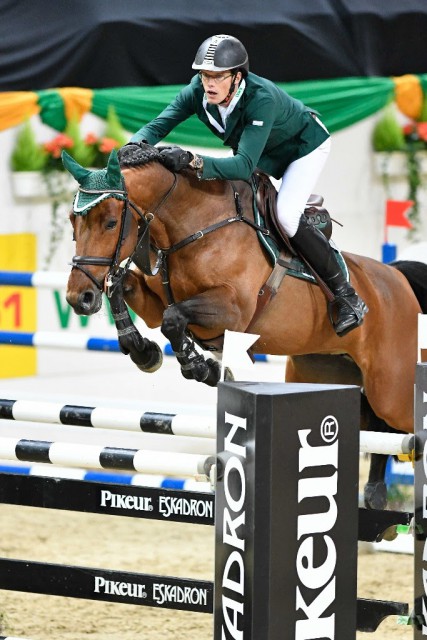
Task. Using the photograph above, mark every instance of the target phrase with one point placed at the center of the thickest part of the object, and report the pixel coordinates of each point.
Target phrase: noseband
(141, 252)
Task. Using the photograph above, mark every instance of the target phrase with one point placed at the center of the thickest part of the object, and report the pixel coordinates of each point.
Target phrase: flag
(235, 350)
(396, 211)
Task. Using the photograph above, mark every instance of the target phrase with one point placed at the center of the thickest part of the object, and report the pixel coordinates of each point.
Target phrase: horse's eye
(111, 224)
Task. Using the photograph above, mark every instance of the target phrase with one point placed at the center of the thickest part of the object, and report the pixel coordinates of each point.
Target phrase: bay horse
(216, 270)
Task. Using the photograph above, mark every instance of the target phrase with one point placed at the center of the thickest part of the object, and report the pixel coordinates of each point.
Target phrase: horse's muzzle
(85, 302)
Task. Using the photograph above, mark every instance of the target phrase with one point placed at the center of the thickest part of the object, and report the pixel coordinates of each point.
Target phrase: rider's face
(217, 85)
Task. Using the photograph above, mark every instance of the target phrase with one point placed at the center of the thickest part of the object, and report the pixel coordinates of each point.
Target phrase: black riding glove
(175, 158)
(127, 152)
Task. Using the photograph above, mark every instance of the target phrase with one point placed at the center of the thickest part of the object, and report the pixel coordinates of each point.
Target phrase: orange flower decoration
(91, 138)
(60, 142)
(408, 129)
(108, 144)
(422, 130)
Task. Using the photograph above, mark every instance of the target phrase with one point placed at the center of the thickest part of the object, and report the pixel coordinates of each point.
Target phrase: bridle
(141, 254)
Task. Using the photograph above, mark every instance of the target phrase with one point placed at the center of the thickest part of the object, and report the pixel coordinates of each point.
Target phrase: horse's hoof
(390, 534)
(198, 370)
(150, 360)
(155, 362)
(201, 370)
(228, 375)
(214, 373)
(375, 495)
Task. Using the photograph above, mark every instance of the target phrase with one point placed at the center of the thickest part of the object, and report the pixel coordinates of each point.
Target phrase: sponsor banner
(420, 493)
(18, 310)
(286, 511)
(113, 586)
(131, 501)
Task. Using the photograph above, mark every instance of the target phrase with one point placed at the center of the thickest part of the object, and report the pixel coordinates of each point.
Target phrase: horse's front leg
(145, 353)
(212, 310)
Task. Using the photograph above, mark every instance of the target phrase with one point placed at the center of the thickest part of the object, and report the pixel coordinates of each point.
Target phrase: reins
(167, 251)
(141, 254)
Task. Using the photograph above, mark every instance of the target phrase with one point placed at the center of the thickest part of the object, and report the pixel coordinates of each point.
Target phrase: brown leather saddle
(266, 201)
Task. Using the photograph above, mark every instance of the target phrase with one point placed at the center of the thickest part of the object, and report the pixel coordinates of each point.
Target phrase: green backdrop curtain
(341, 103)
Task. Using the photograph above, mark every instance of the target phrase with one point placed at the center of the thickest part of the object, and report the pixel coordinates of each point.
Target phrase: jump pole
(37, 279)
(270, 436)
(203, 426)
(81, 342)
(97, 457)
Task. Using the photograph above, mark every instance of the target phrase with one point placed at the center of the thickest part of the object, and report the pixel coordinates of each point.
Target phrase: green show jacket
(267, 129)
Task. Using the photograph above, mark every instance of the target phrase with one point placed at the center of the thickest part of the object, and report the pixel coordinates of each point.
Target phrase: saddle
(266, 200)
(316, 214)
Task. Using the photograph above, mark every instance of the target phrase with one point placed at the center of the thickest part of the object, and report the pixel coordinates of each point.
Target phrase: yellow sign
(18, 305)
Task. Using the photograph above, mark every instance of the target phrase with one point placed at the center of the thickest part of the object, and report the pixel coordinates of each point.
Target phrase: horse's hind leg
(375, 490)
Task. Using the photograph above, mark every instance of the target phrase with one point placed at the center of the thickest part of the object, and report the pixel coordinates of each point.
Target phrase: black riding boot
(315, 248)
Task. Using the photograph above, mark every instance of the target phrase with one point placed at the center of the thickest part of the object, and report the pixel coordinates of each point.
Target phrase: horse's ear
(77, 171)
(114, 175)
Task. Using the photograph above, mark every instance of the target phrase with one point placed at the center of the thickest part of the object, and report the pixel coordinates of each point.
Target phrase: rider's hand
(175, 158)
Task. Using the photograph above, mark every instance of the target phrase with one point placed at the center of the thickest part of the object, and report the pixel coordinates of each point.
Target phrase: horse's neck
(147, 184)
(181, 210)
(148, 187)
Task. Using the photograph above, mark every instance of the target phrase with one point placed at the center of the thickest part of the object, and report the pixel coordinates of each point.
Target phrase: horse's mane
(137, 155)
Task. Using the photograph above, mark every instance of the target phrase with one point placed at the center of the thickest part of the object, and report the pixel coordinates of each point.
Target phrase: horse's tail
(416, 274)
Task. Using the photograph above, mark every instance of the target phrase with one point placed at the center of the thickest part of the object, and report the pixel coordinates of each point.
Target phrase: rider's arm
(251, 145)
(179, 110)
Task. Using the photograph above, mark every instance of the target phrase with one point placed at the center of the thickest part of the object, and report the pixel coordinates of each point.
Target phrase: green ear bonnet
(95, 180)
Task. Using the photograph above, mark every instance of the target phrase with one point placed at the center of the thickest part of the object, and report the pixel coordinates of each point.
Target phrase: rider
(268, 129)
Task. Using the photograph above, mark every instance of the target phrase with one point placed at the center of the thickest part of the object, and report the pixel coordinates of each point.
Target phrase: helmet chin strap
(230, 93)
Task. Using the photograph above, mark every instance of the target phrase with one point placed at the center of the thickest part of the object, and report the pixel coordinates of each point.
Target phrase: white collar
(225, 111)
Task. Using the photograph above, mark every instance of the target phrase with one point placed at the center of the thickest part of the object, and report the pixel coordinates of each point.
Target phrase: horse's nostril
(88, 296)
(87, 300)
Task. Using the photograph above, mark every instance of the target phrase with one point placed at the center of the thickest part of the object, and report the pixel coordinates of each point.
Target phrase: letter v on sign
(64, 313)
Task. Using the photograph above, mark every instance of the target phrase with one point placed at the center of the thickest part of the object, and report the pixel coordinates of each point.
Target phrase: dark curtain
(105, 43)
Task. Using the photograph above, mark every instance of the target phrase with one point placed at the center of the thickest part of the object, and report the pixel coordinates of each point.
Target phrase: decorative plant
(89, 151)
(114, 130)
(114, 137)
(388, 137)
(28, 154)
(53, 149)
(388, 134)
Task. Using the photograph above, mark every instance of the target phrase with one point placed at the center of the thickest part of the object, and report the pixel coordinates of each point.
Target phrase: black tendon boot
(315, 248)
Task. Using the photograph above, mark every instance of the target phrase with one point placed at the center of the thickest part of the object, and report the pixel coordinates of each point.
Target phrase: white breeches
(297, 185)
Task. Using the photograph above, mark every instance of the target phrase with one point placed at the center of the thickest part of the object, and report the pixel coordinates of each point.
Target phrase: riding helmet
(221, 53)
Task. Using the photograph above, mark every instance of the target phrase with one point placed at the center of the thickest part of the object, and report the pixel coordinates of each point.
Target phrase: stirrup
(355, 316)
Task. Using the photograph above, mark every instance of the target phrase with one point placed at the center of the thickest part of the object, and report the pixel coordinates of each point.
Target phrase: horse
(205, 270)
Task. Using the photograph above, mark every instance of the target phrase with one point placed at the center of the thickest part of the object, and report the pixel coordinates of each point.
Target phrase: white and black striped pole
(202, 426)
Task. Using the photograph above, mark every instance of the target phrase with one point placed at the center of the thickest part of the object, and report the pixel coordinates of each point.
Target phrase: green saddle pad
(298, 268)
